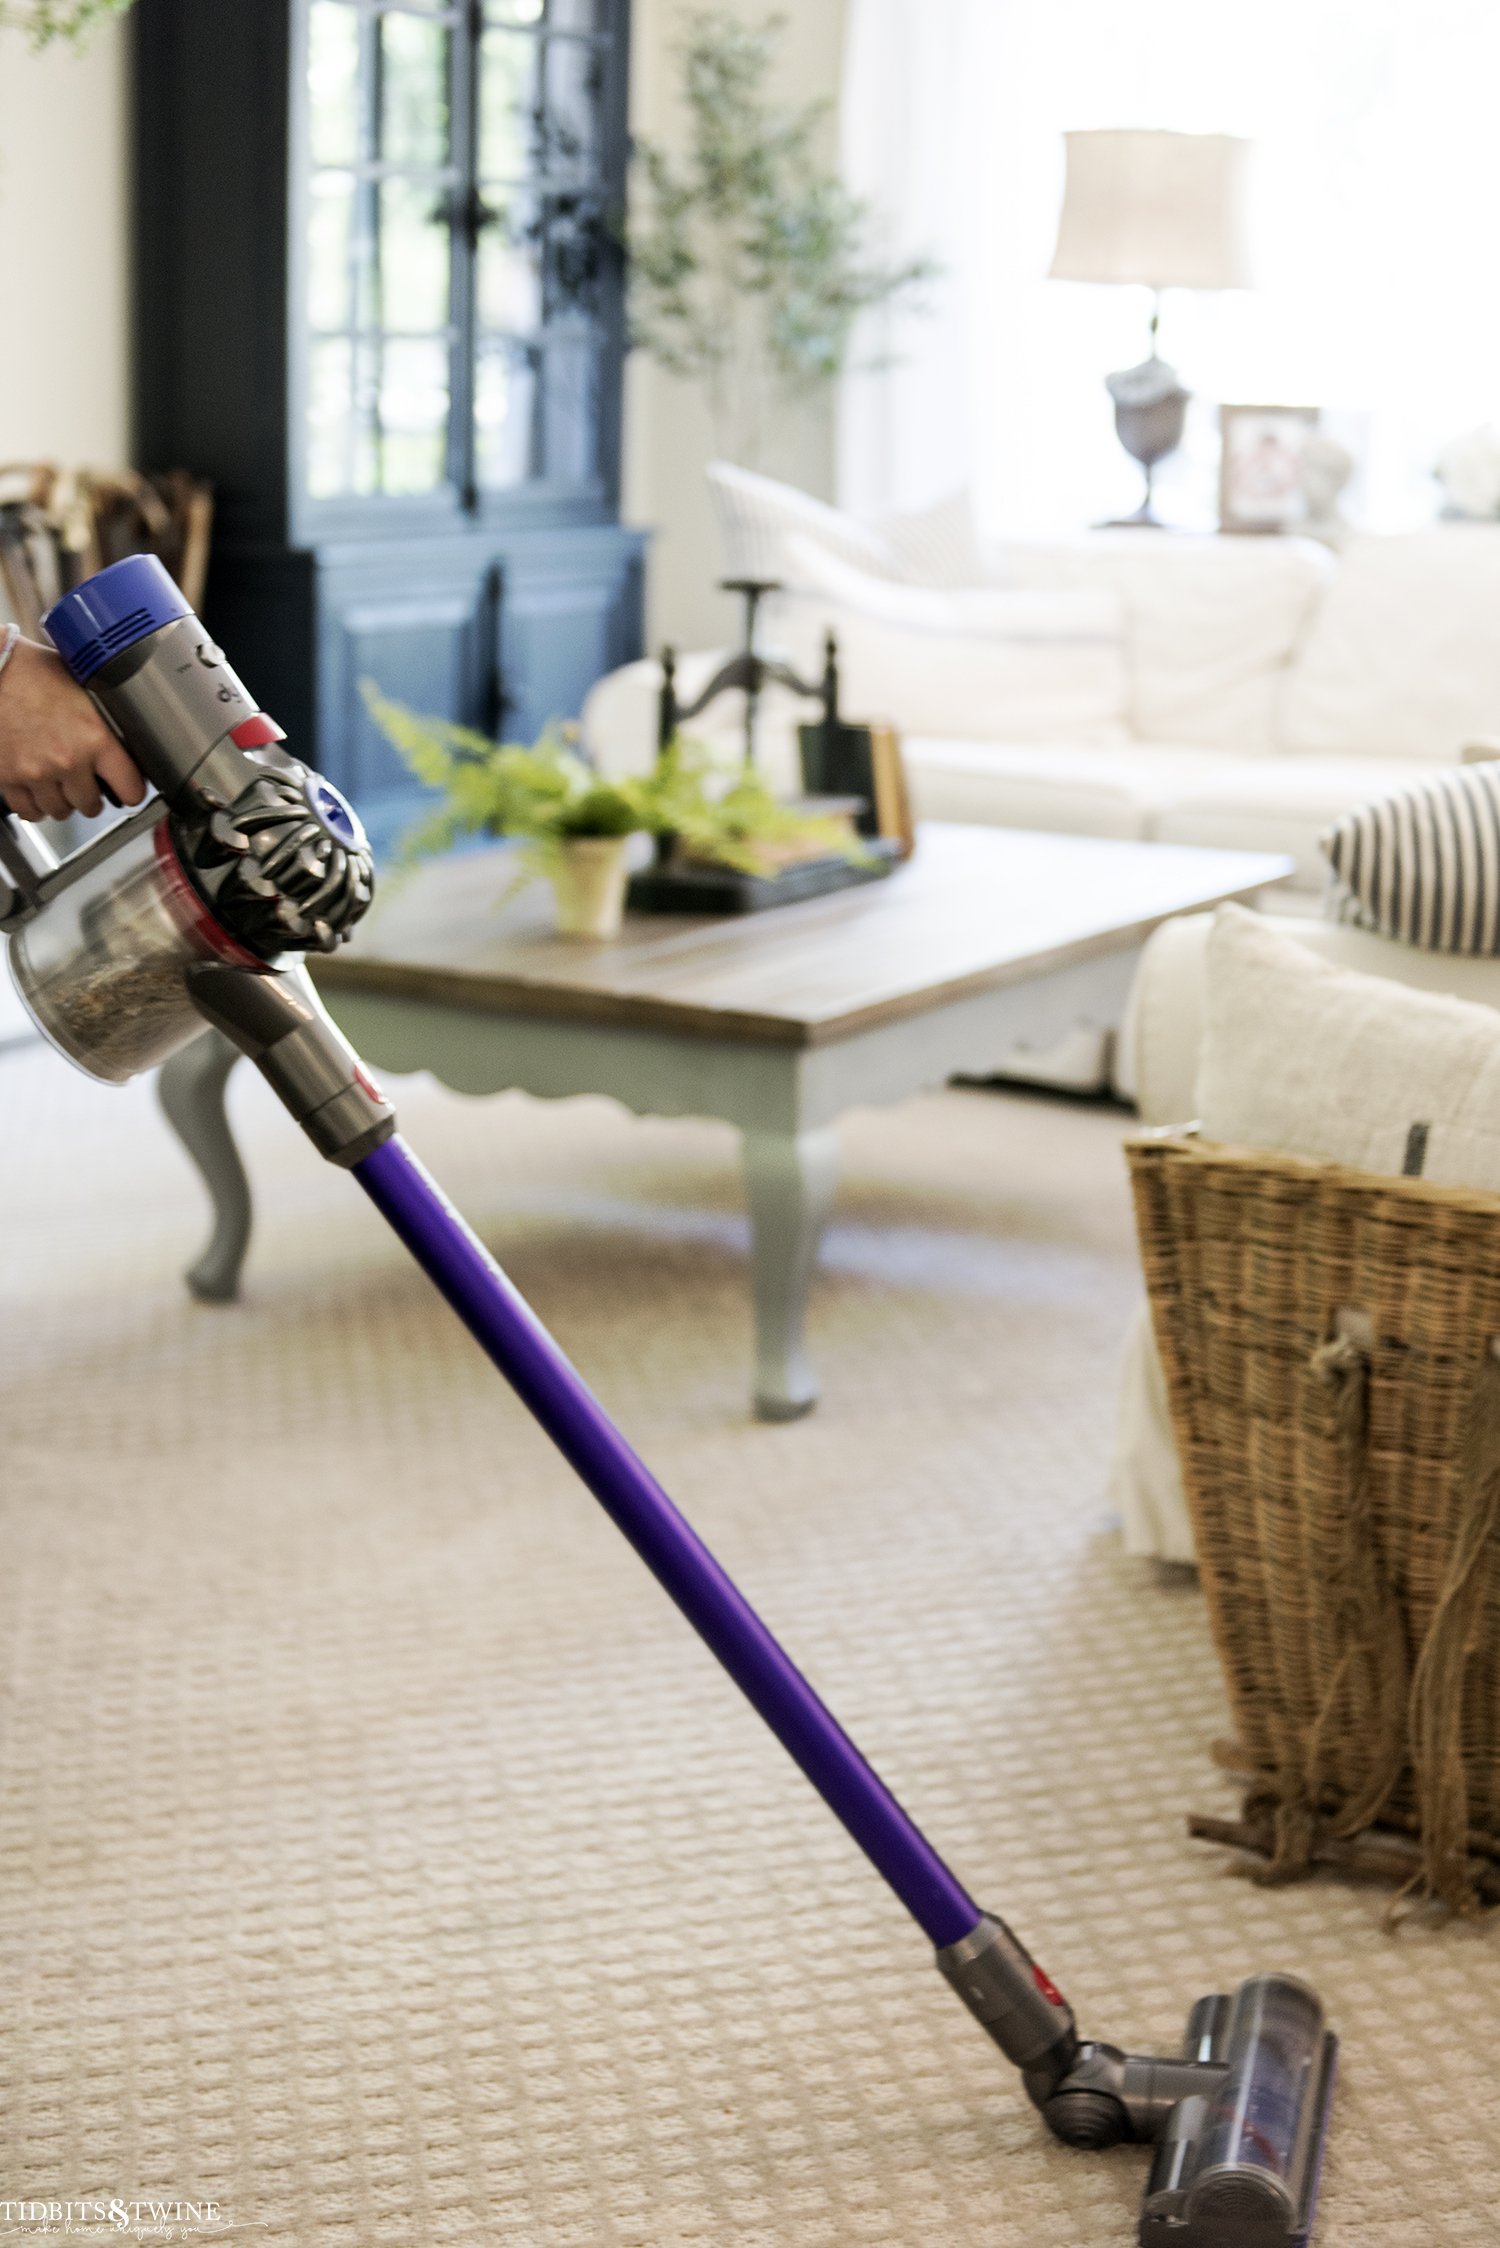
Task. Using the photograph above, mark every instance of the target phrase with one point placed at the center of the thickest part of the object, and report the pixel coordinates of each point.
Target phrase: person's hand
(55, 748)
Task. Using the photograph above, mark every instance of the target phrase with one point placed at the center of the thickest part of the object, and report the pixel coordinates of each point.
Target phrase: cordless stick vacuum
(178, 917)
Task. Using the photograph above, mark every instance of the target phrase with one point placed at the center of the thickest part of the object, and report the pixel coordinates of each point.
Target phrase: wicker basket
(1327, 1341)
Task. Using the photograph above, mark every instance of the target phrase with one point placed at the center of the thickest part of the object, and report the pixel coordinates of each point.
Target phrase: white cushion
(1157, 792)
(980, 663)
(1310, 1059)
(758, 515)
(1084, 791)
(1404, 659)
(1273, 804)
(936, 545)
(1211, 623)
(1161, 1037)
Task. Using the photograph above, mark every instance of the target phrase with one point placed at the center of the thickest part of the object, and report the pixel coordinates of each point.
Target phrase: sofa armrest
(619, 719)
(1156, 1057)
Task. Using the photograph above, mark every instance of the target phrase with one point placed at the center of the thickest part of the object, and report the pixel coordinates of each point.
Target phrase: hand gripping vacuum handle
(273, 859)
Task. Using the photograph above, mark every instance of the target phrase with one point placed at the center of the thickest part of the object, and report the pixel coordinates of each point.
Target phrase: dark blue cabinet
(379, 301)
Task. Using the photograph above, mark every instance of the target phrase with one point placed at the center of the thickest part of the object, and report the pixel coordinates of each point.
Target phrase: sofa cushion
(978, 662)
(1404, 658)
(1273, 804)
(1310, 1059)
(1157, 792)
(1027, 784)
(1211, 623)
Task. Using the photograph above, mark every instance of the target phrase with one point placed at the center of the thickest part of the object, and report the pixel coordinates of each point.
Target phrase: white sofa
(1224, 691)
(1239, 692)
(1232, 692)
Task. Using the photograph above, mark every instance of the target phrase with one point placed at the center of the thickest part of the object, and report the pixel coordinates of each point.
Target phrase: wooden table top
(975, 909)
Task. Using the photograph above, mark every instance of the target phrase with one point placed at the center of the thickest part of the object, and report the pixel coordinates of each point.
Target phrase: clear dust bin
(101, 970)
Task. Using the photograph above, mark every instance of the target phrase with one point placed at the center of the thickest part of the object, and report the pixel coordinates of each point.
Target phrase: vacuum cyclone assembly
(182, 914)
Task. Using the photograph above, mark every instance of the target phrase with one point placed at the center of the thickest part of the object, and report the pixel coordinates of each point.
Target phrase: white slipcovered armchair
(1158, 1066)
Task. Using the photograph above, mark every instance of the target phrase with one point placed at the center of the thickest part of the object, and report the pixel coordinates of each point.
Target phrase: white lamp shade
(1166, 209)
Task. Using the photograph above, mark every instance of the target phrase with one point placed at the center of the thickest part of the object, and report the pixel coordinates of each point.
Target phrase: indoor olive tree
(749, 261)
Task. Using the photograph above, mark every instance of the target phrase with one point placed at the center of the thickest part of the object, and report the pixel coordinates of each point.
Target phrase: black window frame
(461, 503)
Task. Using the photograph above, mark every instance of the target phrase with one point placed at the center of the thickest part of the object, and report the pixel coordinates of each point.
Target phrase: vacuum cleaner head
(1238, 2118)
(1237, 2165)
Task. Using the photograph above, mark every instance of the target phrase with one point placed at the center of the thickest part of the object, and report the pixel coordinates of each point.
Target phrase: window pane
(510, 287)
(505, 414)
(570, 415)
(413, 91)
(330, 424)
(561, 15)
(508, 97)
(414, 414)
(333, 81)
(414, 256)
(574, 78)
(330, 236)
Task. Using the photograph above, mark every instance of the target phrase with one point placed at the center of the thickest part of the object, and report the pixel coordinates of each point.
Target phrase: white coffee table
(776, 1022)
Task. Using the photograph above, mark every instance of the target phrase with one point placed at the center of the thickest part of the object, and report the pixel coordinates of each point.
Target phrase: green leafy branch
(749, 263)
(733, 819)
(44, 21)
(544, 794)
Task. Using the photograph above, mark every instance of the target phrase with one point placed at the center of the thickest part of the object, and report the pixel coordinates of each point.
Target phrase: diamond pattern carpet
(382, 1859)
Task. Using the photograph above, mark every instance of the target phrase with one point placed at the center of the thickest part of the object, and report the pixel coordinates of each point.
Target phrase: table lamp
(1162, 210)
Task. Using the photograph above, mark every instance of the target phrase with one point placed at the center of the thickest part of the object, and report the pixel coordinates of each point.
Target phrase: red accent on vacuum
(257, 732)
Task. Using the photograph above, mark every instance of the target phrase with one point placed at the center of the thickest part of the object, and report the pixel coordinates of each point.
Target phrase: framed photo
(1260, 466)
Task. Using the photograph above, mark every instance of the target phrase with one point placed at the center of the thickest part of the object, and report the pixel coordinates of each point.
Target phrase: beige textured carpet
(383, 1858)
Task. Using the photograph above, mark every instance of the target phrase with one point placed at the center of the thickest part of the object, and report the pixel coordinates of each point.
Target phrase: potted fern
(573, 826)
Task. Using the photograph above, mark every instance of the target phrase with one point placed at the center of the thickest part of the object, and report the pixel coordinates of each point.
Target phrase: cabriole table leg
(790, 1178)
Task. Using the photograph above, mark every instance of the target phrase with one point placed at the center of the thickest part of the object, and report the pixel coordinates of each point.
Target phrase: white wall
(667, 441)
(64, 381)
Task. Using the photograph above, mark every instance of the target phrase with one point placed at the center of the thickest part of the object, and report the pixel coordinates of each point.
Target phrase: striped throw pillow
(1424, 865)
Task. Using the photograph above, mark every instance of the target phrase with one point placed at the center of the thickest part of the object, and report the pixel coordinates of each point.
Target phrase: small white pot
(589, 884)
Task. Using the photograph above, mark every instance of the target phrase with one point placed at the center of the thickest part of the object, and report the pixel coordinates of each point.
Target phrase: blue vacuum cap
(112, 610)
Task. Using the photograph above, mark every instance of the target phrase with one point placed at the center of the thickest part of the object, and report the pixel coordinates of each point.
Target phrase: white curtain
(1375, 201)
(914, 122)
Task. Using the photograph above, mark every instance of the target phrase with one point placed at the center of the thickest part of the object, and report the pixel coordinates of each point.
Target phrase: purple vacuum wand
(272, 859)
(509, 1332)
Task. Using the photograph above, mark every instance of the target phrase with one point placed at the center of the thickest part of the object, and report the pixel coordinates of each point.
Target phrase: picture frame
(1260, 474)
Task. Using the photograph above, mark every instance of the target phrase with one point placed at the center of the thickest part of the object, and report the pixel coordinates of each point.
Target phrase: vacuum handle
(25, 862)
